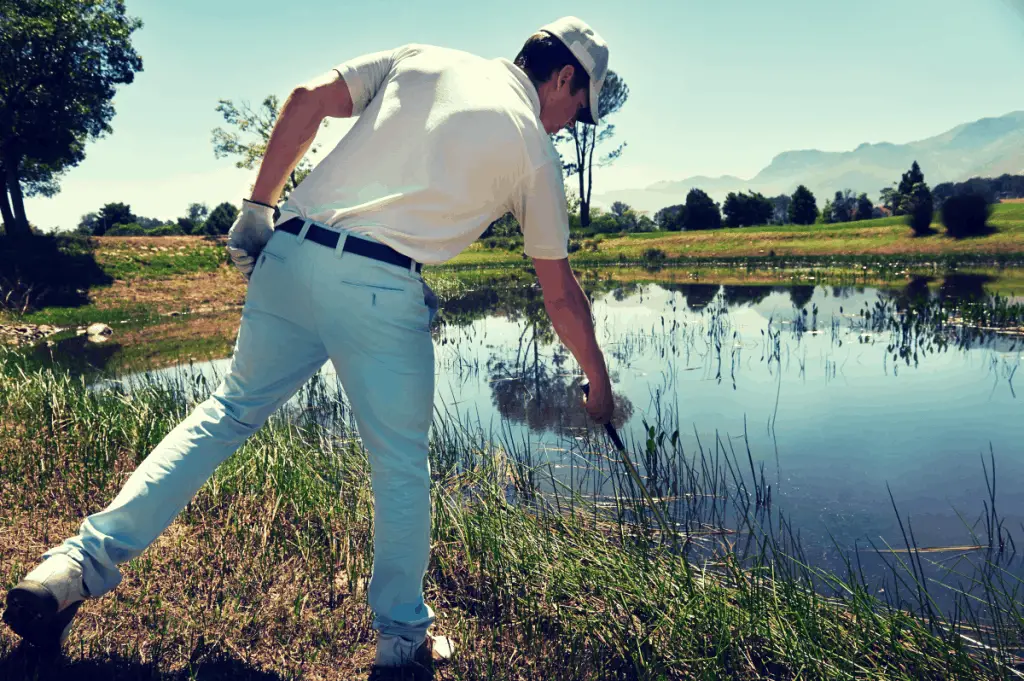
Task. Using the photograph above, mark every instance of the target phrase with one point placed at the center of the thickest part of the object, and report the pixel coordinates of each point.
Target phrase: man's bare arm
(295, 130)
(570, 314)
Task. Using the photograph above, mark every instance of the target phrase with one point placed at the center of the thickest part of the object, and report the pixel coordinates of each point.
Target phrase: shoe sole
(32, 614)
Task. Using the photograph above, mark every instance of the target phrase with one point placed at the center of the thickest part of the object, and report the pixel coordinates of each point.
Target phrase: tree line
(117, 219)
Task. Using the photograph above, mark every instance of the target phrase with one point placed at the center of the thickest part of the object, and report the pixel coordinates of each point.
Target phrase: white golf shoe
(395, 651)
(40, 608)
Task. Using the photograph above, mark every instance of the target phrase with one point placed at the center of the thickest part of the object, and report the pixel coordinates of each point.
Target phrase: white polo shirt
(446, 142)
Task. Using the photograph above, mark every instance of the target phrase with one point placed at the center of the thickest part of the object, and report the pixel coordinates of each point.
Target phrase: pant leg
(375, 321)
(275, 354)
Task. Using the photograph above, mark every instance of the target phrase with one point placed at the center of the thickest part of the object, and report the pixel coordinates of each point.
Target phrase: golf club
(613, 435)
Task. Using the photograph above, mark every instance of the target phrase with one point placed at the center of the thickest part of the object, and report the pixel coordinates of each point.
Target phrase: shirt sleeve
(365, 75)
(539, 205)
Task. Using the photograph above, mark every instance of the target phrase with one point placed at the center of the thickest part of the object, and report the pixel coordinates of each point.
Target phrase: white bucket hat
(590, 50)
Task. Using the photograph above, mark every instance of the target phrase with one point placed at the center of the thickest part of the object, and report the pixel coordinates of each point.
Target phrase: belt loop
(412, 266)
(306, 224)
(339, 250)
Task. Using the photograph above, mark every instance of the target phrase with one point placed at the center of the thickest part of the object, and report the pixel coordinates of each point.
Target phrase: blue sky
(715, 87)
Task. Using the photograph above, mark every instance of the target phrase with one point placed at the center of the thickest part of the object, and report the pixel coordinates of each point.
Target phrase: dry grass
(196, 292)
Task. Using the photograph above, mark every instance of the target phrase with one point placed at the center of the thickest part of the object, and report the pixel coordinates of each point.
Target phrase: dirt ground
(198, 292)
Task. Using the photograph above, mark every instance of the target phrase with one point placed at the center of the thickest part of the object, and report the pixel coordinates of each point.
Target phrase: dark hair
(544, 54)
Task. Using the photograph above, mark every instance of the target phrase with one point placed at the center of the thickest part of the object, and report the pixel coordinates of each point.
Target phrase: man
(445, 143)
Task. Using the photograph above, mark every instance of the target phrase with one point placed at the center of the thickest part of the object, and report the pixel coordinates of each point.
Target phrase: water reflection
(544, 395)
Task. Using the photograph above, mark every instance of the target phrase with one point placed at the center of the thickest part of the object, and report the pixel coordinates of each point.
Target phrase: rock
(99, 333)
(99, 330)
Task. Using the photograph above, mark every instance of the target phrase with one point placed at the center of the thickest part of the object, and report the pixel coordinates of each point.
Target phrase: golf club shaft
(613, 435)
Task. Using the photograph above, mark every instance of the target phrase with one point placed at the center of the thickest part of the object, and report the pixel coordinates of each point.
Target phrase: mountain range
(987, 147)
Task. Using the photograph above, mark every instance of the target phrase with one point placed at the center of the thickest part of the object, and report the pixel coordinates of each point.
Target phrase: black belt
(353, 244)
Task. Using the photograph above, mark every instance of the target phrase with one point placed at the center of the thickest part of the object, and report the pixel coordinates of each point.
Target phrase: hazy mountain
(985, 148)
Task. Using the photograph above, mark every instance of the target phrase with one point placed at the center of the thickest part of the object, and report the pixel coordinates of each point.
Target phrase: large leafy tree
(584, 139)
(803, 209)
(250, 136)
(701, 212)
(670, 218)
(111, 215)
(221, 219)
(61, 62)
(864, 208)
(745, 210)
(909, 179)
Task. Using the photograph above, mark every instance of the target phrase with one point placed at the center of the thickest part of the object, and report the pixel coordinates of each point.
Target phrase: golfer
(445, 143)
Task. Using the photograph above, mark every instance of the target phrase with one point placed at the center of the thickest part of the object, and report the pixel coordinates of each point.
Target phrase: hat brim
(588, 114)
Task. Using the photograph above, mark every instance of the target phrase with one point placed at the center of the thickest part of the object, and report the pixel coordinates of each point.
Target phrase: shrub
(590, 245)
(574, 246)
(965, 215)
(654, 256)
(502, 242)
(166, 230)
(131, 229)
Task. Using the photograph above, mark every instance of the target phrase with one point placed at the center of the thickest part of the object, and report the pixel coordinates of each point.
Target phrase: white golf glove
(249, 234)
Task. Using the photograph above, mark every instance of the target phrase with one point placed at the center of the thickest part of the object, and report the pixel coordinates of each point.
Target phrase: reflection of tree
(625, 290)
(841, 291)
(527, 390)
(914, 293)
(963, 287)
(800, 295)
(740, 295)
(698, 296)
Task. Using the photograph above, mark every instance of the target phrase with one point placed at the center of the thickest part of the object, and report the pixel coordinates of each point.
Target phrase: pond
(842, 395)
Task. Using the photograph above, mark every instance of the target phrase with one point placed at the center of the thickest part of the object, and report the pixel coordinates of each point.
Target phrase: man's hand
(599, 402)
(249, 234)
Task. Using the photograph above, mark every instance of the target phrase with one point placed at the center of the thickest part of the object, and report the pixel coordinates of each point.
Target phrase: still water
(837, 409)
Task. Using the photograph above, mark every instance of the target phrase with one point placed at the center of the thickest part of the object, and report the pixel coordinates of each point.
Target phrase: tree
(221, 218)
(87, 225)
(586, 138)
(505, 226)
(804, 208)
(826, 212)
(700, 211)
(909, 179)
(864, 208)
(743, 210)
(918, 207)
(890, 198)
(619, 208)
(194, 218)
(844, 206)
(259, 124)
(671, 218)
(61, 62)
(111, 215)
(197, 212)
(780, 208)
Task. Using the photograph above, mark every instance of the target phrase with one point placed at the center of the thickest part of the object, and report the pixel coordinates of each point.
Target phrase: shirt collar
(529, 91)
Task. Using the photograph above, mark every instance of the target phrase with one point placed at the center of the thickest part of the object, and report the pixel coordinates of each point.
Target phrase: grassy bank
(264, 574)
(76, 282)
(885, 239)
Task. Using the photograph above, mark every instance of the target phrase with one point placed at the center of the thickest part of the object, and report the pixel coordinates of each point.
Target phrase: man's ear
(565, 76)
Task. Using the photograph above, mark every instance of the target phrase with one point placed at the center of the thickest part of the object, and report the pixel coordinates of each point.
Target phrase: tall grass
(536, 579)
